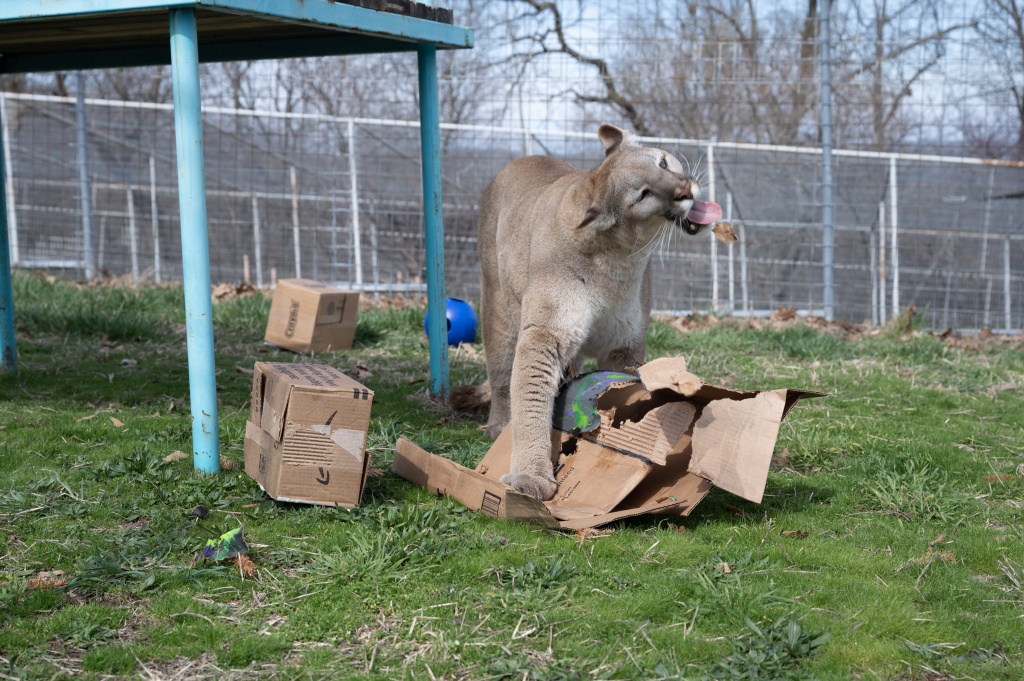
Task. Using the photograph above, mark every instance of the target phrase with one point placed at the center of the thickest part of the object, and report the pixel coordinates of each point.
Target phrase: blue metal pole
(195, 246)
(8, 351)
(433, 223)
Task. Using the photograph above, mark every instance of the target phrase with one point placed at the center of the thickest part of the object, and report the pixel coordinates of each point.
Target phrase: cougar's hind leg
(499, 335)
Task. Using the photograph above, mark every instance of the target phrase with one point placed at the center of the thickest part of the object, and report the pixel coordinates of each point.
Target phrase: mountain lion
(565, 255)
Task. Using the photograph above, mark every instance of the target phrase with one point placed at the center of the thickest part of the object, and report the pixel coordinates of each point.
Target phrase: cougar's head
(645, 187)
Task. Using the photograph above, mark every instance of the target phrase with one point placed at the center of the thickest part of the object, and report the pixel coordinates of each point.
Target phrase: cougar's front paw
(536, 486)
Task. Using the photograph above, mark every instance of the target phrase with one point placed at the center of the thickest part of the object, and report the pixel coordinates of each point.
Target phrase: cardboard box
(624, 446)
(306, 316)
(305, 440)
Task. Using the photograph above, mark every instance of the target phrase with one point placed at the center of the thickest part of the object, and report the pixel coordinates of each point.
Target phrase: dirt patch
(787, 318)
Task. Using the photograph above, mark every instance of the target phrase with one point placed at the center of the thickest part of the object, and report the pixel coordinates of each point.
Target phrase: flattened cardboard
(664, 442)
(307, 315)
(305, 440)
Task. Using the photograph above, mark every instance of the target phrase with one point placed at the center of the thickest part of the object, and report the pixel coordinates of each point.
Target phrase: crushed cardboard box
(305, 440)
(306, 315)
(625, 446)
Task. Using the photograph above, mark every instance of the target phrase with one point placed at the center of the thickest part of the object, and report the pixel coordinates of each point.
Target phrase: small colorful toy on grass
(231, 544)
(228, 545)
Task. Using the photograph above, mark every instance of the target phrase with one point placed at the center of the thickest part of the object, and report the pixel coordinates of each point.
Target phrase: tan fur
(564, 256)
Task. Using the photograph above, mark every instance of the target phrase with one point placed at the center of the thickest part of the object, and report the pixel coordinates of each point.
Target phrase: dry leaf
(468, 350)
(784, 314)
(586, 533)
(443, 420)
(227, 464)
(175, 456)
(374, 472)
(243, 370)
(85, 418)
(780, 459)
(724, 567)
(795, 534)
(737, 512)
(117, 423)
(723, 232)
(52, 579)
(362, 372)
(246, 568)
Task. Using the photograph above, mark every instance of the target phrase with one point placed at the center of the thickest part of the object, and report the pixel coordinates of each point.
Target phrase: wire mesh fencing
(339, 199)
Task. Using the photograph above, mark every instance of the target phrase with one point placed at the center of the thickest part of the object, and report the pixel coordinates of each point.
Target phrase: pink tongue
(704, 212)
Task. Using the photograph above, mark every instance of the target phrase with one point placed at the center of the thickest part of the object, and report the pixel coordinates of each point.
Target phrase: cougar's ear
(611, 137)
(596, 219)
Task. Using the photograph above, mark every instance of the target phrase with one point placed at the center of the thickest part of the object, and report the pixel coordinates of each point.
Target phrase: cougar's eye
(664, 163)
(644, 193)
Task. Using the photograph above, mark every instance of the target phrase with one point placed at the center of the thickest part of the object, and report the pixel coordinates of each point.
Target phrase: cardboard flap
(794, 396)
(654, 436)
(733, 442)
(275, 403)
(605, 518)
(669, 373)
(471, 489)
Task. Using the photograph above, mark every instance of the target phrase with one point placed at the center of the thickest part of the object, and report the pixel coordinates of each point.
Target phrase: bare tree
(700, 70)
(137, 84)
(876, 77)
(1002, 36)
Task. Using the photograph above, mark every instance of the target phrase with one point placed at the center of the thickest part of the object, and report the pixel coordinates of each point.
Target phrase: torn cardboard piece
(307, 315)
(626, 446)
(305, 440)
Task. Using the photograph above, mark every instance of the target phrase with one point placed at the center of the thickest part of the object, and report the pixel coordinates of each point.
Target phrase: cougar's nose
(683, 191)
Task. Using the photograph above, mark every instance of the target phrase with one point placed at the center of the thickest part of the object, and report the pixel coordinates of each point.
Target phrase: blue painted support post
(8, 351)
(433, 223)
(195, 245)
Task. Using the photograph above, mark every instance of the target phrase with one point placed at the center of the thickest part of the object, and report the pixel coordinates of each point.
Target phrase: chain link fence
(339, 200)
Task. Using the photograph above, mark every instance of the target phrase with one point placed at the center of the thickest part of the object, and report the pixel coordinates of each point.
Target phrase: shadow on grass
(721, 507)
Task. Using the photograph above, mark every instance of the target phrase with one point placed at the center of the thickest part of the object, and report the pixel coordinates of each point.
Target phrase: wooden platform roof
(44, 35)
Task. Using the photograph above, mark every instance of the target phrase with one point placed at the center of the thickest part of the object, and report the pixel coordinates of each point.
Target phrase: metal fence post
(883, 316)
(82, 143)
(154, 219)
(257, 241)
(732, 274)
(741, 232)
(1007, 307)
(827, 209)
(353, 185)
(296, 238)
(711, 234)
(11, 212)
(133, 237)
(873, 274)
(894, 230)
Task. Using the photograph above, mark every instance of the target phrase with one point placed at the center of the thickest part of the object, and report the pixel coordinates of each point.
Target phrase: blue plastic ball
(461, 321)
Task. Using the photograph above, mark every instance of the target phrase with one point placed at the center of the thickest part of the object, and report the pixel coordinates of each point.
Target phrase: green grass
(890, 547)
